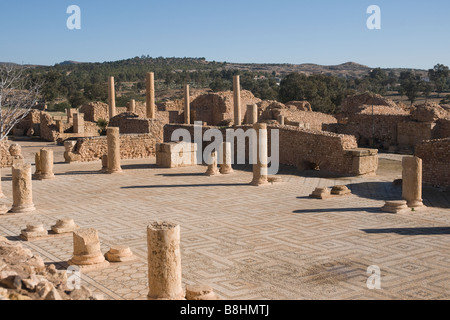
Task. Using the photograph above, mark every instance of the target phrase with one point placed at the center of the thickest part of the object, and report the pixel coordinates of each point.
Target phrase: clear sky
(414, 34)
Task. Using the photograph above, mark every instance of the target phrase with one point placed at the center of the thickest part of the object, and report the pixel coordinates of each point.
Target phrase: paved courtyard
(271, 242)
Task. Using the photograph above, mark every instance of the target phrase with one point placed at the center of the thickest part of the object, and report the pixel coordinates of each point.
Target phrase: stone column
(252, 113)
(86, 250)
(22, 188)
(260, 168)
(46, 164)
(111, 97)
(212, 167)
(281, 120)
(237, 101)
(151, 95)
(37, 161)
(225, 166)
(187, 105)
(78, 123)
(132, 106)
(164, 261)
(412, 181)
(113, 138)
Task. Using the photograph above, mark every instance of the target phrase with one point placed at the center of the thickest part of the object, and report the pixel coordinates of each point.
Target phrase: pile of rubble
(25, 276)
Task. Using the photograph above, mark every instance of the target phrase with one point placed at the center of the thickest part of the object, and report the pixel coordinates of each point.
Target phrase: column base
(47, 176)
(22, 209)
(415, 204)
(90, 267)
(180, 296)
(115, 171)
(259, 182)
(226, 170)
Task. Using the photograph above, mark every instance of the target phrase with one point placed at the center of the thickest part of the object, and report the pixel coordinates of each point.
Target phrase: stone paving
(270, 242)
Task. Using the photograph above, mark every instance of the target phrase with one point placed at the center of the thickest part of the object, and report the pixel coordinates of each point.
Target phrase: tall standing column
(111, 98)
(46, 164)
(151, 95)
(260, 167)
(237, 100)
(412, 181)
(187, 105)
(113, 138)
(252, 113)
(78, 123)
(164, 261)
(226, 161)
(22, 188)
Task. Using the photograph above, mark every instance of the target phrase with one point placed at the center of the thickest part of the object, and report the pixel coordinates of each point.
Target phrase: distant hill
(68, 62)
(348, 69)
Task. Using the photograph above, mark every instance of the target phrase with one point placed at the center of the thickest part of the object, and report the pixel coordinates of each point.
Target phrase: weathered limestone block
(212, 166)
(69, 155)
(280, 119)
(412, 181)
(395, 206)
(22, 189)
(86, 250)
(46, 164)
(113, 138)
(164, 261)
(226, 163)
(200, 292)
(260, 167)
(321, 193)
(16, 152)
(364, 161)
(78, 123)
(340, 190)
(176, 154)
(64, 226)
(35, 230)
(119, 254)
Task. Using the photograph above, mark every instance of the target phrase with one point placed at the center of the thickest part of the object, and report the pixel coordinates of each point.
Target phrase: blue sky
(414, 34)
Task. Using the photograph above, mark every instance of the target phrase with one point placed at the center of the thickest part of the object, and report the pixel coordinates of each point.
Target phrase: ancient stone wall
(50, 131)
(129, 123)
(435, 155)
(308, 149)
(214, 108)
(31, 121)
(6, 159)
(381, 127)
(132, 146)
(411, 133)
(442, 129)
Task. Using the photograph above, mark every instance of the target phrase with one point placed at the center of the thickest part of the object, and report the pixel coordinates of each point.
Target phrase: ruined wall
(95, 111)
(6, 159)
(132, 146)
(130, 123)
(411, 133)
(305, 149)
(31, 121)
(435, 155)
(442, 129)
(214, 108)
(384, 128)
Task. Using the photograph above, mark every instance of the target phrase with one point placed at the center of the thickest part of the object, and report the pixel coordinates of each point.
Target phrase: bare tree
(18, 93)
